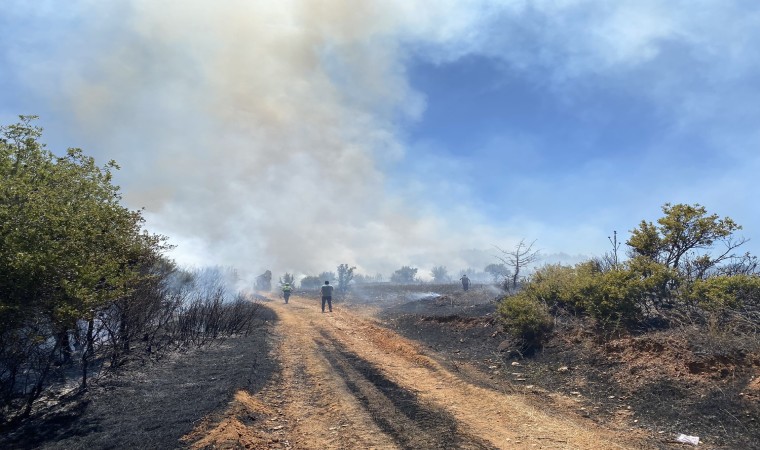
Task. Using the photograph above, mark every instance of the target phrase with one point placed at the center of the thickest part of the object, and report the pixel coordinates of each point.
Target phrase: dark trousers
(286, 294)
(329, 303)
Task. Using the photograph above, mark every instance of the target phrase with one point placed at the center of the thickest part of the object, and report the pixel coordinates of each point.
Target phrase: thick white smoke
(267, 134)
(257, 134)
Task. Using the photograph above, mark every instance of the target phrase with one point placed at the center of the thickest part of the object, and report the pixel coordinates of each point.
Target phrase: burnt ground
(153, 406)
(687, 380)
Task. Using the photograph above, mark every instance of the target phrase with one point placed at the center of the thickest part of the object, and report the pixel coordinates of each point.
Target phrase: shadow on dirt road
(411, 422)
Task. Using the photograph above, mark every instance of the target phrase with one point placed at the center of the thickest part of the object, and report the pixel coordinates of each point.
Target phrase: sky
(298, 135)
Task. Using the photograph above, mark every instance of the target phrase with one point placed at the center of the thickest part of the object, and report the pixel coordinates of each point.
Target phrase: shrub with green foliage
(68, 250)
(553, 285)
(526, 318)
(725, 292)
(659, 284)
(611, 297)
(66, 243)
(672, 273)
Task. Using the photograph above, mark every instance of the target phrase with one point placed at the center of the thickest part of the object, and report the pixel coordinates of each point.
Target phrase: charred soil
(153, 405)
(417, 367)
(688, 380)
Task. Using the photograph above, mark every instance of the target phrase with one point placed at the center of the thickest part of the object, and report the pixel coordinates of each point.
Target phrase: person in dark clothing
(327, 291)
(465, 282)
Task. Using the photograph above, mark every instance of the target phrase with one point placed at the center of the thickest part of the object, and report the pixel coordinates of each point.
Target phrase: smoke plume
(259, 134)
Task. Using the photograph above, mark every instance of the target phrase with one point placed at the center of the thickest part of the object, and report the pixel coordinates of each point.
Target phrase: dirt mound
(672, 355)
(232, 429)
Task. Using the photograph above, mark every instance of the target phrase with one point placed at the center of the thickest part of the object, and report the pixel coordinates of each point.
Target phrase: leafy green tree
(684, 238)
(67, 243)
(68, 248)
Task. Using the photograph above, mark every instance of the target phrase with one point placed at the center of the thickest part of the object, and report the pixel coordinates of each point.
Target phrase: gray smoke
(258, 134)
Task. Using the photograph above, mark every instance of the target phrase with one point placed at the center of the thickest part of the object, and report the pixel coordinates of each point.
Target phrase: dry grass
(235, 427)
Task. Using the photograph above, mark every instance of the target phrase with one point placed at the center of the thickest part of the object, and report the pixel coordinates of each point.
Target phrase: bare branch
(518, 258)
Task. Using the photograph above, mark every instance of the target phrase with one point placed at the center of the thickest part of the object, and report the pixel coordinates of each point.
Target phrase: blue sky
(299, 135)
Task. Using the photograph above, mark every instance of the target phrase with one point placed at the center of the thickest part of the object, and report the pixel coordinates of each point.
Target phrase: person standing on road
(286, 289)
(327, 291)
(465, 282)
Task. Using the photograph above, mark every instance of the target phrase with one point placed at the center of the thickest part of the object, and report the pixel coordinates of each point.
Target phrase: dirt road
(348, 383)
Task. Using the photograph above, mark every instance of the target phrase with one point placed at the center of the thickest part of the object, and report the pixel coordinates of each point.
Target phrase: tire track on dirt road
(348, 383)
(411, 423)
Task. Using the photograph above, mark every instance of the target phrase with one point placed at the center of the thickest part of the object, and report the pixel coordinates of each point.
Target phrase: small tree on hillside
(311, 282)
(287, 278)
(498, 272)
(440, 274)
(404, 275)
(684, 238)
(345, 275)
(518, 259)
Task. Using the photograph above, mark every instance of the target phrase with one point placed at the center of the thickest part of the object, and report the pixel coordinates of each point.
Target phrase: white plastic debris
(694, 440)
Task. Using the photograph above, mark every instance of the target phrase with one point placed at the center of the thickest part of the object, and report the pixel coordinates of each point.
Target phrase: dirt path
(348, 383)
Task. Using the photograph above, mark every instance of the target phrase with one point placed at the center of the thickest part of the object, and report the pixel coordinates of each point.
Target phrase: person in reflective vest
(286, 289)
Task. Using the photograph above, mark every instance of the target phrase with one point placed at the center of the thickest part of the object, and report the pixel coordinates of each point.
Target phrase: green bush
(725, 292)
(659, 284)
(612, 297)
(553, 285)
(69, 252)
(526, 318)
